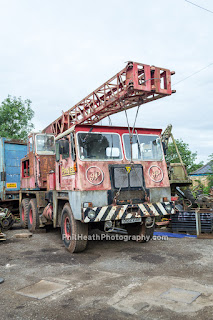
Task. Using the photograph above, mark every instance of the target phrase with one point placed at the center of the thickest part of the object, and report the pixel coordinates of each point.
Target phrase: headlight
(169, 207)
(91, 214)
(149, 222)
(107, 225)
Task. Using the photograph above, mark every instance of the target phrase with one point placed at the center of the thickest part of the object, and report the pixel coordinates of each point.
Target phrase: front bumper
(123, 212)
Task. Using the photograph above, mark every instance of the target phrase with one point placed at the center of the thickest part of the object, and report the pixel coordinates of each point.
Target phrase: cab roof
(116, 129)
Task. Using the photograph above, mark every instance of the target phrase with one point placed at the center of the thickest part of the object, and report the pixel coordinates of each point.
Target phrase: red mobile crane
(79, 175)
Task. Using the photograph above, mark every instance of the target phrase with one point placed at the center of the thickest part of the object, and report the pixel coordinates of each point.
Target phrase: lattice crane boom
(136, 84)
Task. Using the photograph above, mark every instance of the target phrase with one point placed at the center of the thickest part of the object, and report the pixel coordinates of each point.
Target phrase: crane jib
(136, 84)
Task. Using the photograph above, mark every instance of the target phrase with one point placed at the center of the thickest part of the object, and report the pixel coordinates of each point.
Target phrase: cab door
(65, 163)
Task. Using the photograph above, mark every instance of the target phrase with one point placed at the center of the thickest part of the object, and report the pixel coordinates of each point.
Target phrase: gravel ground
(110, 280)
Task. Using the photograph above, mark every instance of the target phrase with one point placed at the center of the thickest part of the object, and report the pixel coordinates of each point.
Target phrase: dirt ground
(110, 280)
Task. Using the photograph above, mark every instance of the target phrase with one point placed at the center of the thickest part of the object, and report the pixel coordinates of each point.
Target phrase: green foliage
(187, 155)
(210, 176)
(200, 188)
(15, 118)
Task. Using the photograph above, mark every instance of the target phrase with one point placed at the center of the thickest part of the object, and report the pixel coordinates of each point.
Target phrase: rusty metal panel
(45, 164)
(40, 198)
(156, 174)
(31, 163)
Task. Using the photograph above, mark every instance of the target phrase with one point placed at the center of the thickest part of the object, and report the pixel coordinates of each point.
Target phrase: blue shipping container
(11, 153)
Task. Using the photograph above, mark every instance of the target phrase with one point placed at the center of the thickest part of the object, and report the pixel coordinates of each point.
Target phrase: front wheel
(74, 233)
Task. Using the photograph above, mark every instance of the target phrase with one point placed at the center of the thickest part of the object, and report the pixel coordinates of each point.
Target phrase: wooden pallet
(205, 236)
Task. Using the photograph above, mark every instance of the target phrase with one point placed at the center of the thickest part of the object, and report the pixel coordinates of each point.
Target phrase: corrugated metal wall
(1, 165)
(13, 155)
(10, 157)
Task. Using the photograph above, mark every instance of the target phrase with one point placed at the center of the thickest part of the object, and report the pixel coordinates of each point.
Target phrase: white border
(45, 153)
(95, 184)
(108, 160)
(161, 172)
(139, 134)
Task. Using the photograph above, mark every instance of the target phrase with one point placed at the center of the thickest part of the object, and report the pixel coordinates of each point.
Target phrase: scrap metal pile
(205, 201)
(6, 221)
(188, 201)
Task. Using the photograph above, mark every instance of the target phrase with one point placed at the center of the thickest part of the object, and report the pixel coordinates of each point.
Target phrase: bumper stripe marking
(141, 209)
(100, 211)
(161, 208)
(159, 213)
(144, 211)
(120, 212)
(111, 213)
(116, 214)
(153, 210)
(164, 205)
(125, 213)
(147, 209)
(106, 213)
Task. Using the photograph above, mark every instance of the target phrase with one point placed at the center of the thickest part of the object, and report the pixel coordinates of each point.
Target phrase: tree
(187, 155)
(210, 175)
(206, 188)
(15, 118)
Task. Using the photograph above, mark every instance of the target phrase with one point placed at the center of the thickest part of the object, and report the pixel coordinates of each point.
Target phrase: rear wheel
(33, 219)
(24, 213)
(74, 233)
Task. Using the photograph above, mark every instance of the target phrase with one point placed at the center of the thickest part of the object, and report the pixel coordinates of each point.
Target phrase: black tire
(33, 218)
(24, 212)
(74, 233)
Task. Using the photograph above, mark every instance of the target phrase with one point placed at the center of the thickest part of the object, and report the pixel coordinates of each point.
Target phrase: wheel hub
(67, 227)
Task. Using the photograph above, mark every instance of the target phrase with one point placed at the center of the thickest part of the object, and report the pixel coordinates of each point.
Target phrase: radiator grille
(136, 177)
(120, 178)
(124, 180)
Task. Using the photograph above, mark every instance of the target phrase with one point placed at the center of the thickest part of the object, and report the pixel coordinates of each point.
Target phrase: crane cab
(39, 162)
(101, 159)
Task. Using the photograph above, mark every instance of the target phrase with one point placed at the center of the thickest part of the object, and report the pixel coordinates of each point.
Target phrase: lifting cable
(110, 121)
(133, 128)
(131, 138)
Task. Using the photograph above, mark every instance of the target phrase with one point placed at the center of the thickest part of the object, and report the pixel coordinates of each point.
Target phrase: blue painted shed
(11, 153)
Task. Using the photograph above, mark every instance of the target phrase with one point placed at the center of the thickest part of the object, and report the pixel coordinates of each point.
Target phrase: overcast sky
(56, 52)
